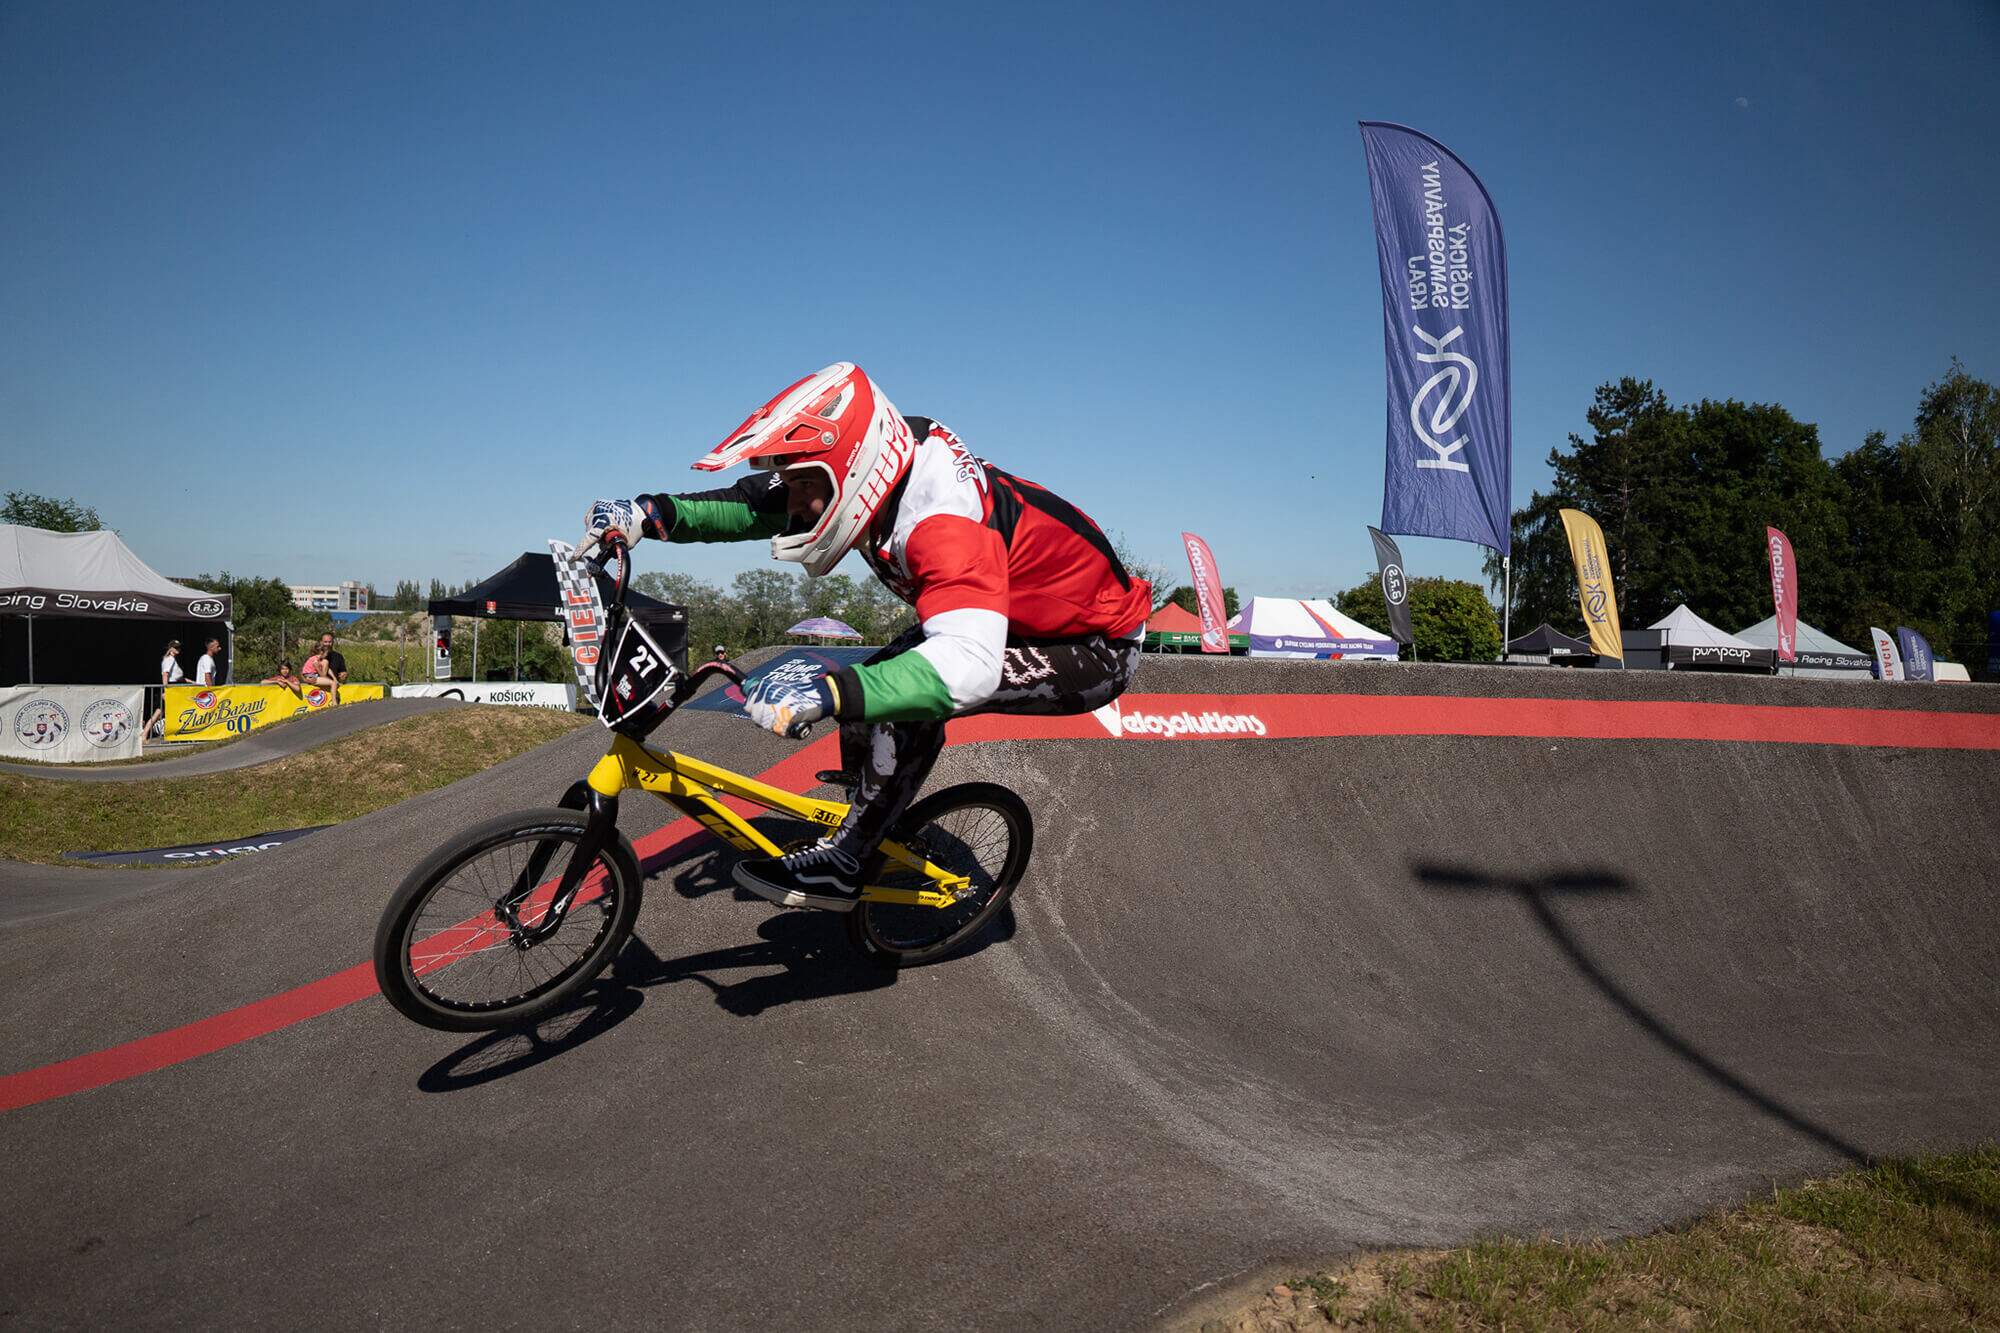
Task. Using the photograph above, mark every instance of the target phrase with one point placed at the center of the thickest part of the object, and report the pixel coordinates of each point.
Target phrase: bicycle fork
(600, 827)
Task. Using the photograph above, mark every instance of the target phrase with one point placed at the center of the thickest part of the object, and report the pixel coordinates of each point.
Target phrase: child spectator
(287, 678)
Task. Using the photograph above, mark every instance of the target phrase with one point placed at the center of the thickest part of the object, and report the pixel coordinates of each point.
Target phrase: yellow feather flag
(1593, 583)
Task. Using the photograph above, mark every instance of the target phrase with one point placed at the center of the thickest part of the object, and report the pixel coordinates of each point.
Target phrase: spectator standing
(170, 674)
(721, 653)
(205, 670)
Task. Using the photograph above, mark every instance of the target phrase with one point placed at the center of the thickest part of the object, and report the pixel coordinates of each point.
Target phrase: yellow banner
(216, 713)
(1594, 592)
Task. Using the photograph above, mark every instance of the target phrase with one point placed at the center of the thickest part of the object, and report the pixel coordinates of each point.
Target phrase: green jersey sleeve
(752, 508)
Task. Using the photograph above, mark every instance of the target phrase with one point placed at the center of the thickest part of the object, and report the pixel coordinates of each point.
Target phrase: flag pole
(1506, 602)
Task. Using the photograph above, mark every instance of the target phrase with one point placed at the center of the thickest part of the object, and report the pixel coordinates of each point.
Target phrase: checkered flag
(583, 611)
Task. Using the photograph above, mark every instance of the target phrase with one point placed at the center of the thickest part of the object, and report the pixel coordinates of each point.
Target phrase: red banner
(1784, 593)
(1208, 595)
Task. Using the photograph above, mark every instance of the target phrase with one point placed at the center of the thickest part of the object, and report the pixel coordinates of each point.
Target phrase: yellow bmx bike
(512, 919)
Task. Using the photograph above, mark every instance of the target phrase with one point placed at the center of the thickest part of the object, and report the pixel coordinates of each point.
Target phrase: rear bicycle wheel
(977, 829)
(446, 958)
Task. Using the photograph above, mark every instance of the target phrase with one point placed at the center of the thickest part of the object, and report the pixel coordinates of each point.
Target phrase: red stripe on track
(185, 1043)
(177, 1045)
(1291, 716)
(1141, 717)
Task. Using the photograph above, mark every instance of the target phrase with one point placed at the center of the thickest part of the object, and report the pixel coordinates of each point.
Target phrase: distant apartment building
(346, 596)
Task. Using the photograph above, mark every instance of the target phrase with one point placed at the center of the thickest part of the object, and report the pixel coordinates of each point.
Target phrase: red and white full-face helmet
(839, 422)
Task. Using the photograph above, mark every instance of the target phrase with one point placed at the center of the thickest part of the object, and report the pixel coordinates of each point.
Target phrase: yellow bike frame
(695, 789)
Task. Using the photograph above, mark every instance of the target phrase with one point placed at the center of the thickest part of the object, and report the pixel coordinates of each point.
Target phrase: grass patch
(1907, 1244)
(42, 818)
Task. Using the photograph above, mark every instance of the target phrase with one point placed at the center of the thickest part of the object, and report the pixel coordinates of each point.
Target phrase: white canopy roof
(1308, 627)
(92, 574)
(80, 562)
(1685, 629)
(1764, 634)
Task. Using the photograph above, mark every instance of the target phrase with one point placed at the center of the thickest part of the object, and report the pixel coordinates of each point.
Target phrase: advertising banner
(522, 694)
(117, 605)
(1444, 325)
(1888, 662)
(215, 713)
(71, 724)
(1208, 597)
(1784, 592)
(1395, 586)
(196, 851)
(1917, 656)
(1594, 593)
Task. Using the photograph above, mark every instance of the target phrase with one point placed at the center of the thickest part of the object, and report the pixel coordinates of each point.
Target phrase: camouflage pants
(1051, 678)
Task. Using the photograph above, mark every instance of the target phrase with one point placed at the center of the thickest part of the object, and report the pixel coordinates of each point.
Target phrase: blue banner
(1444, 326)
(1916, 654)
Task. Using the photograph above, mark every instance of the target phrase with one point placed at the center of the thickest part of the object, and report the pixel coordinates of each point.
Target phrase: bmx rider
(1022, 605)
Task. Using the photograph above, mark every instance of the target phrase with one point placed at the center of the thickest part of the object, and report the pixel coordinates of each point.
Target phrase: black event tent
(526, 590)
(1559, 648)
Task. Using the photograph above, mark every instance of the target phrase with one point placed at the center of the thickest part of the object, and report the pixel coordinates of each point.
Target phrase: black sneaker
(838, 777)
(821, 876)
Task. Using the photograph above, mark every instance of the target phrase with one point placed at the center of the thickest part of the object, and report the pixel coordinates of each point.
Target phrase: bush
(1451, 619)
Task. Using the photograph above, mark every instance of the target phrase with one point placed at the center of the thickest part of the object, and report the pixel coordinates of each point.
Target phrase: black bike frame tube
(599, 829)
(576, 798)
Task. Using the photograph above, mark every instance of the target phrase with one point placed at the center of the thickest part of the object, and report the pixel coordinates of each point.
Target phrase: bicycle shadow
(809, 950)
(495, 1055)
(1922, 1184)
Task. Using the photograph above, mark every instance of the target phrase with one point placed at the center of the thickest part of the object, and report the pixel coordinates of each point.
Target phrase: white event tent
(81, 608)
(1819, 654)
(1309, 627)
(1687, 640)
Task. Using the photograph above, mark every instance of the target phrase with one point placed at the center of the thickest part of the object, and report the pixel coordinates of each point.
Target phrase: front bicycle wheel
(976, 829)
(468, 942)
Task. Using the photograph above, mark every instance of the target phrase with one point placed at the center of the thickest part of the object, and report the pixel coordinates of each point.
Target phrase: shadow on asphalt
(809, 949)
(498, 1054)
(1920, 1186)
(1539, 894)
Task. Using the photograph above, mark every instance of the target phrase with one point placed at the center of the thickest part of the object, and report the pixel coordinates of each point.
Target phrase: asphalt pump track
(1442, 952)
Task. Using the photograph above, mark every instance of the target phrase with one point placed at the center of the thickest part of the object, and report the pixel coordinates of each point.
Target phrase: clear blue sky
(393, 290)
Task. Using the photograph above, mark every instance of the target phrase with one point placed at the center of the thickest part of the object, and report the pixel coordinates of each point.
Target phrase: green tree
(1450, 619)
(1889, 534)
(1154, 574)
(1683, 495)
(28, 510)
(540, 641)
(767, 603)
(879, 614)
(408, 596)
(1183, 597)
(710, 617)
(268, 628)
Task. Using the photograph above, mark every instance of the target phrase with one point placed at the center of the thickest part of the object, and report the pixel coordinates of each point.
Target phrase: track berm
(1260, 1000)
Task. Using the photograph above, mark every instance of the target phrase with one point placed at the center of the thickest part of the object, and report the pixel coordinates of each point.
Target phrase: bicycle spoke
(463, 957)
